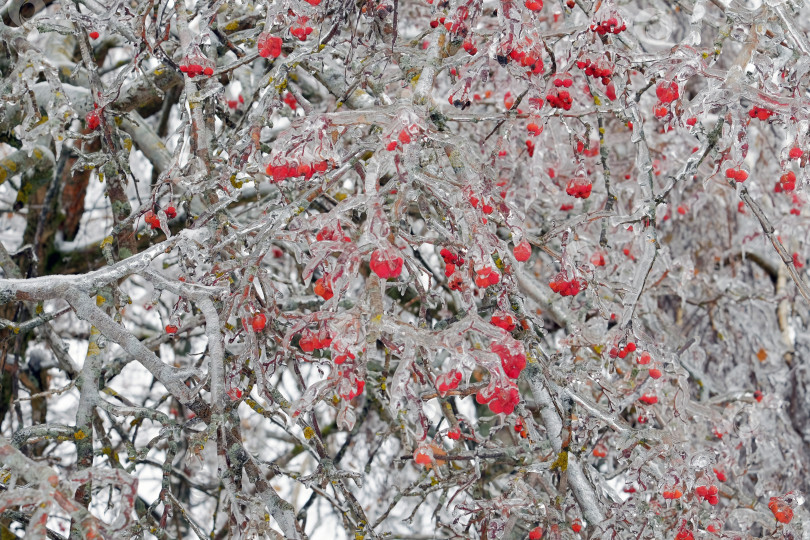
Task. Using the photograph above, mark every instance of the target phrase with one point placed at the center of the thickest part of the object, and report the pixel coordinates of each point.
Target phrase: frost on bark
(404, 269)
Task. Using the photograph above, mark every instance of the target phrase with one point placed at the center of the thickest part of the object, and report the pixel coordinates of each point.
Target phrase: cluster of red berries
(709, 493)
(436, 22)
(339, 357)
(151, 218)
(404, 137)
(600, 69)
(760, 112)
(560, 99)
(194, 67)
(600, 450)
(624, 351)
(486, 277)
(781, 511)
(566, 287)
(456, 282)
(301, 32)
(92, 119)
(269, 45)
(451, 260)
(291, 170)
(312, 340)
(351, 386)
(579, 187)
(740, 175)
(448, 381)
(332, 233)
(721, 476)
(520, 428)
(787, 182)
(386, 263)
(530, 59)
(673, 494)
(458, 27)
(644, 359)
(234, 103)
(502, 398)
(591, 151)
(290, 100)
(513, 358)
(648, 399)
(470, 47)
(530, 148)
(610, 25)
(667, 92)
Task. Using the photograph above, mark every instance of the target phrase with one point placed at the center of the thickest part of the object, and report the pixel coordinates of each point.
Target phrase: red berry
(536, 534)
(503, 320)
(781, 511)
(269, 45)
(655, 373)
(667, 91)
(795, 153)
(258, 321)
(92, 120)
(423, 455)
(323, 288)
(94, 35)
(576, 526)
(534, 5)
(171, 329)
(386, 263)
(522, 251)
